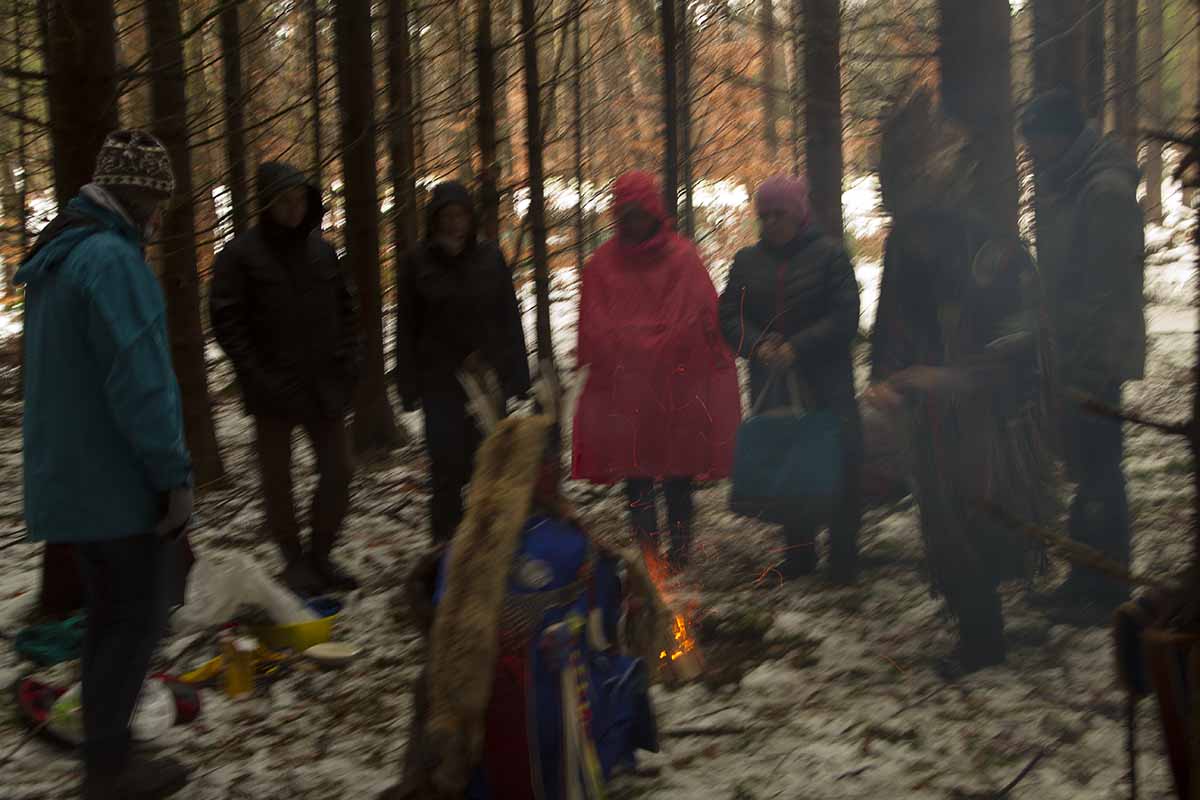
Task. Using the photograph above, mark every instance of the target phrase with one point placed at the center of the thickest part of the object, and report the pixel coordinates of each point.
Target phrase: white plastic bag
(153, 715)
(216, 590)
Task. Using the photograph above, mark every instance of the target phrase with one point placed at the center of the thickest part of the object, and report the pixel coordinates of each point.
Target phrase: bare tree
(235, 120)
(686, 36)
(1153, 167)
(374, 423)
(770, 77)
(81, 58)
(314, 86)
(537, 181)
(1060, 32)
(823, 111)
(489, 168)
(168, 100)
(670, 109)
(976, 67)
(1125, 94)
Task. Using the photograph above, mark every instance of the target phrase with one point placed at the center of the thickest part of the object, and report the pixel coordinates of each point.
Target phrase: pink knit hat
(785, 193)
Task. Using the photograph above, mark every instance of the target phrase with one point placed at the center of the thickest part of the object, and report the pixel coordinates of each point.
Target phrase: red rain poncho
(662, 394)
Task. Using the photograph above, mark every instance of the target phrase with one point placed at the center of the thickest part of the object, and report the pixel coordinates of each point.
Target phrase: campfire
(679, 655)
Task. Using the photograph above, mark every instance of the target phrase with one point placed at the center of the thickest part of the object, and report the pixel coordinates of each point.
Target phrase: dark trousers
(845, 517)
(126, 582)
(643, 508)
(452, 438)
(1093, 448)
(328, 509)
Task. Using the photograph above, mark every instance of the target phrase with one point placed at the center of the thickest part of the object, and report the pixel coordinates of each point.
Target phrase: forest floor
(841, 700)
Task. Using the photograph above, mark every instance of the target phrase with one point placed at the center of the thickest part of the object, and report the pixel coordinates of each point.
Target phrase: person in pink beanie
(791, 307)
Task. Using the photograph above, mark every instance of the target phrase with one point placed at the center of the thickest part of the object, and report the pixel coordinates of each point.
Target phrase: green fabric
(103, 423)
(54, 643)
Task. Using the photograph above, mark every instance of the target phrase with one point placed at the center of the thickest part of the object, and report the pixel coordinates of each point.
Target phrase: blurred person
(1091, 247)
(531, 690)
(661, 403)
(958, 354)
(792, 304)
(106, 464)
(455, 306)
(284, 310)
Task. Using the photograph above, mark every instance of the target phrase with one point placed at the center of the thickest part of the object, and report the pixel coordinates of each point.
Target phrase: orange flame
(684, 643)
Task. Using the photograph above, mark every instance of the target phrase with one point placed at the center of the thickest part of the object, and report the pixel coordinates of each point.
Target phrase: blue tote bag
(787, 461)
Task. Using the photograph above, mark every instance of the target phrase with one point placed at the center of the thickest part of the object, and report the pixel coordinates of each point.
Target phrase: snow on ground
(841, 701)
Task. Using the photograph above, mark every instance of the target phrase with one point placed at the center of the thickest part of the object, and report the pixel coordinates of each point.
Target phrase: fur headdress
(465, 635)
(924, 160)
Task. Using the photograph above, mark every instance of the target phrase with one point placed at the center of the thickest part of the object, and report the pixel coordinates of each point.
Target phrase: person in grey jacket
(1091, 252)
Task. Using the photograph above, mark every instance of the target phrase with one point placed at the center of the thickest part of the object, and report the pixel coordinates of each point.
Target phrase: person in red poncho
(661, 404)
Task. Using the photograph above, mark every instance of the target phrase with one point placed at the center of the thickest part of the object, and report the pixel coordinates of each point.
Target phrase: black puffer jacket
(448, 307)
(807, 293)
(284, 310)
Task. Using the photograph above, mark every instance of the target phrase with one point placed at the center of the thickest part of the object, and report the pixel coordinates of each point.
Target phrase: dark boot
(980, 635)
(302, 578)
(333, 578)
(141, 779)
(800, 554)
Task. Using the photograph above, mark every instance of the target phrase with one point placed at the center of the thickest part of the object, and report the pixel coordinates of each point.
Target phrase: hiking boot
(141, 779)
(799, 555)
(798, 563)
(965, 659)
(302, 578)
(333, 578)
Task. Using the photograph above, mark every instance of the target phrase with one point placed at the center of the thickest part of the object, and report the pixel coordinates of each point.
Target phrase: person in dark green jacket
(106, 464)
(1091, 252)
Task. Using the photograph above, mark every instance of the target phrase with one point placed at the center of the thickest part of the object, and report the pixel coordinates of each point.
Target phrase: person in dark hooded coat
(455, 302)
(1091, 245)
(285, 312)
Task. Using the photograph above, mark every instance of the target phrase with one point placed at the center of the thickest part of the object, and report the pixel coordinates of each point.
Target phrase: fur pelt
(465, 636)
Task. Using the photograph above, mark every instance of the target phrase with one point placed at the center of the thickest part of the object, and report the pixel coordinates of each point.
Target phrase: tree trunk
(1097, 75)
(766, 22)
(685, 117)
(537, 188)
(235, 121)
(796, 83)
(1060, 46)
(627, 72)
(82, 93)
(823, 111)
(976, 89)
(1060, 33)
(418, 78)
(314, 88)
(374, 423)
(400, 99)
(1125, 35)
(1153, 169)
(168, 100)
(23, 240)
(670, 109)
(485, 54)
(577, 97)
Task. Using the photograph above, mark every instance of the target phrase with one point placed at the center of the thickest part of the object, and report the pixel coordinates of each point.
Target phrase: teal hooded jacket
(103, 423)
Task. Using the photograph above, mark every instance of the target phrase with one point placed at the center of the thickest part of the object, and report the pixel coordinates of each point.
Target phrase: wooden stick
(1007, 790)
(723, 730)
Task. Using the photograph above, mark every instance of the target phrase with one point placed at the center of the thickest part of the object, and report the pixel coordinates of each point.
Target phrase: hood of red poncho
(640, 189)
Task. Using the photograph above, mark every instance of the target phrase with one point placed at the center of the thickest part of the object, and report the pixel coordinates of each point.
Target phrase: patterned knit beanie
(135, 159)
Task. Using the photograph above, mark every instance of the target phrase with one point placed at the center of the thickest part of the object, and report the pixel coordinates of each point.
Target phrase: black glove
(178, 513)
(411, 404)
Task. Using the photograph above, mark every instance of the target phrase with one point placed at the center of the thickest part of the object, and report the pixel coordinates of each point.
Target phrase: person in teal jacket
(106, 465)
